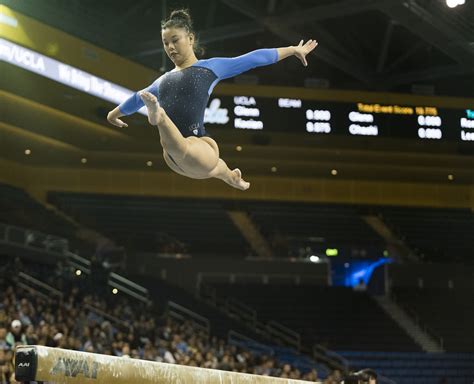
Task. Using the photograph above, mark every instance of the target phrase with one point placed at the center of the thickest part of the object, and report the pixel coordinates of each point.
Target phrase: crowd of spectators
(131, 330)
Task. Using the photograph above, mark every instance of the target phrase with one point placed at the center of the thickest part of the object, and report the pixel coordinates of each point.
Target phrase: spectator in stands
(16, 336)
(31, 338)
(25, 311)
(125, 350)
(6, 366)
(68, 324)
(371, 374)
(210, 361)
(361, 286)
(312, 376)
(337, 375)
(3, 338)
(226, 364)
(330, 380)
(286, 371)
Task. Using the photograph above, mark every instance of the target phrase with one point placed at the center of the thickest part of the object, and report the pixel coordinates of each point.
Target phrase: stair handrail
(411, 312)
(129, 287)
(28, 241)
(182, 313)
(285, 333)
(241, 310)
(105, 315)
(34, 281)
(240, 340)
(330, 357)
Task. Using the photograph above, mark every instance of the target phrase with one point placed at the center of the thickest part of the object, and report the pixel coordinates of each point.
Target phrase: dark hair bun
(181, 14)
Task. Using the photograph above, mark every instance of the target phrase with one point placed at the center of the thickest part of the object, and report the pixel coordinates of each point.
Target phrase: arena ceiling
(363, 44)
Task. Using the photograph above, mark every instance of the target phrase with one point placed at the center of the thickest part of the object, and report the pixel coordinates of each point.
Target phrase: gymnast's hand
(113, 118)
(301, 50)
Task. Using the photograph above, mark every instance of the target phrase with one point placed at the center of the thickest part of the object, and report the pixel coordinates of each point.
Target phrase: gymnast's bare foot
(156, 114)
(236, 180)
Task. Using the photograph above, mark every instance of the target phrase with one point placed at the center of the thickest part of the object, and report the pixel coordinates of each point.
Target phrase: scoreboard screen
(422, 122)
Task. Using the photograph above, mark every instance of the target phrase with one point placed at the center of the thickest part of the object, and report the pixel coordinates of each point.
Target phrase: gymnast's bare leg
(194, 157)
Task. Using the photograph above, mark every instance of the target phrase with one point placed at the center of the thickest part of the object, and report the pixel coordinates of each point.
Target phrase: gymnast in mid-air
(177, 100)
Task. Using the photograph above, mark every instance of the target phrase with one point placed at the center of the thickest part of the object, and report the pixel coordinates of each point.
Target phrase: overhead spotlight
(83, 160)
(314, 259)
(115, 291)
(274, 169)
(334, 172)
(78, 272)
(238, 148)
(450, 177)
(149, 163)
(454, 3)
(27, 151)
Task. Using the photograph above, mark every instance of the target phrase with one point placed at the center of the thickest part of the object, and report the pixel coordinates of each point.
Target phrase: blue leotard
(184, 94)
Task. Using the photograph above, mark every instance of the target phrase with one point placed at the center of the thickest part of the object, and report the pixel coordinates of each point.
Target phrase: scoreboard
(247, 112)
(421, 122)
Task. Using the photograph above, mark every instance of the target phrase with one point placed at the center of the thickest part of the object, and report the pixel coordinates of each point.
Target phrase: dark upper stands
(334, 316)
(449, 313)
(335, 225)
(416, 367)
(18, 208)
(221, 323)
(439, 233)
(145, 223)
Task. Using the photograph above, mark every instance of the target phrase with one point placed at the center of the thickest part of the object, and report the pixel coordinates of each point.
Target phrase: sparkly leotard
(184, 94)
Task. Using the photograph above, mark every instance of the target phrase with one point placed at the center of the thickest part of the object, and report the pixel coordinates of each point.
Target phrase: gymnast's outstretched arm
(226, 67)
(300, 51)
(131, 105)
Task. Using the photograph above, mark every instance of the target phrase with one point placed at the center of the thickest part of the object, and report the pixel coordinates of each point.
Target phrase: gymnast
(177, 100)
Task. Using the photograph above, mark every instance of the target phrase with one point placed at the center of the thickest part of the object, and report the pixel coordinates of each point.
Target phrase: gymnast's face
(178, 44)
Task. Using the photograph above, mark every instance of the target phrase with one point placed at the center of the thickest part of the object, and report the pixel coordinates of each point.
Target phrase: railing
(262, 278)
(35, 240)
(207, 293)
(30, 239)
(239, 340)
(330, 358)
(34, 285)
(284, 333)
(249, 316)
(419, 322)
(129, 287)
(34, 291)
(105, 315)
(385, 380)
(236, 308)
(78, 262)
(181, 313)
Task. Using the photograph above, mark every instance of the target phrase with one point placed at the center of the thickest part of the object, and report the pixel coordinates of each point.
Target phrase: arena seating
(221, 324)
(415, 367)
(143, 223)
(143, 220)
(19, 209)
(336, 317)
(437, 233)
(448, 312)
(337, 225)
(140, 331)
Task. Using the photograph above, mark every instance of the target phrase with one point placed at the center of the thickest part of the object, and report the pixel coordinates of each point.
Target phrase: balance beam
(39, 363)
